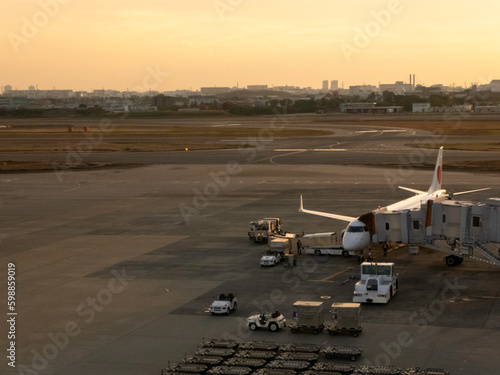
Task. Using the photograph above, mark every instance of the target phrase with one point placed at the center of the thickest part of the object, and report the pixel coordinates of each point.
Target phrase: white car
(223, 304)
(271, 258)
(274, 322)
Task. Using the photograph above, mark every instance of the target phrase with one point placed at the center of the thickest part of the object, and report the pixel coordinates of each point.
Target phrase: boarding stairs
(486, 256)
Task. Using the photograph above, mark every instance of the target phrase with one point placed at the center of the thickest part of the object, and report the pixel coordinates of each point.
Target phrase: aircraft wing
(325, 214)
(470, 191)
(412, 190)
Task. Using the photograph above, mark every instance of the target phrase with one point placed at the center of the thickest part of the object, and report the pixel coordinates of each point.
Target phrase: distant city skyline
(166, 45)
(324, 85)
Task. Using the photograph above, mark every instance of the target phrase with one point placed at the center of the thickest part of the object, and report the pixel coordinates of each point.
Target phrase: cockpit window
(356, 229)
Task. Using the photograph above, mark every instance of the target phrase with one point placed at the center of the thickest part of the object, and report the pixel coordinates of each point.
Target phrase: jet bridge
(461, 229)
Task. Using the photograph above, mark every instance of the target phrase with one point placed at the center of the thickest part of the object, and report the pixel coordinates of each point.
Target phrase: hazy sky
(183, 44)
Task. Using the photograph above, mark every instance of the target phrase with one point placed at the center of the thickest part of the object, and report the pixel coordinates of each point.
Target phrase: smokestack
(410, 81)
(413, 80)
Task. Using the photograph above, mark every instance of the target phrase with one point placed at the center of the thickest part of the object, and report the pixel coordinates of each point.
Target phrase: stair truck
(378, 283)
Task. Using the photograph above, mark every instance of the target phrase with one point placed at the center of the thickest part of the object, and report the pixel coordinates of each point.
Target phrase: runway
(115, 268)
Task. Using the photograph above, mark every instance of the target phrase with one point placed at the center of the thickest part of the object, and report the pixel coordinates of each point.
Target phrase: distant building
(368, 108)
(257, 87)
(214, 90)
(493, 86)
(362, 90)
(421, 107)
(488, 108)
(398, 88)
(334, 85)
(325, 85)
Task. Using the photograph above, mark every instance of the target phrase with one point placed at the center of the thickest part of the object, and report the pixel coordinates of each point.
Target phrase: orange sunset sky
(91, 44)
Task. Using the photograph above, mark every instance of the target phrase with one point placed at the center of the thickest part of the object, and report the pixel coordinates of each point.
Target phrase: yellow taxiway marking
(327, 279)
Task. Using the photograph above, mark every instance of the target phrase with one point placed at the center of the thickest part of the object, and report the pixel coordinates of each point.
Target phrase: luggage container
(345, 319)
(308, 316)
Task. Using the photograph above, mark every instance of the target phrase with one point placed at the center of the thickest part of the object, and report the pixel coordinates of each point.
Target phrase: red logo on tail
(439, 174)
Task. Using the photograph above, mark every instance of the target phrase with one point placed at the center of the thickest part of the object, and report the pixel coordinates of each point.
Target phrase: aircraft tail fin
(438, 173)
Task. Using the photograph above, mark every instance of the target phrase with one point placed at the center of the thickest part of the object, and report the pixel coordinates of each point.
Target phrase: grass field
(200, 133)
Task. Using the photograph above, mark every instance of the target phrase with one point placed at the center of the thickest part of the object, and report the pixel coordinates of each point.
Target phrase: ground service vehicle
(272, 258)
(377, 284)
(261, 230)
(224, 304)
(274, 322)
(324, 244)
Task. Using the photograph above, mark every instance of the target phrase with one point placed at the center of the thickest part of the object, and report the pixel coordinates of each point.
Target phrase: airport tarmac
(115, 268)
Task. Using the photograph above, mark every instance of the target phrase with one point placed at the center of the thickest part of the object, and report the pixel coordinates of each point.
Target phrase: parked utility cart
(342, 368)
(338, 351)
(303, 348)
(259, 345)
(220, 343)
(224, 304)
(298, 356)
(308, 316)
(230, 370)
(274, 322)
(345, 319)
(259, 354)
(291, 365)
(379, 370)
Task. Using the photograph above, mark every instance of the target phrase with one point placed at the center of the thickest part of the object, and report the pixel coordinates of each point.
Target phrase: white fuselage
(357, 237)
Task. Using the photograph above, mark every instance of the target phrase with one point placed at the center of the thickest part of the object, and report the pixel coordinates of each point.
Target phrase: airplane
(356, 236)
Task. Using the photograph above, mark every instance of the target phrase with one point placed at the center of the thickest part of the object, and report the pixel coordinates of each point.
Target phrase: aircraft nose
(354, 242)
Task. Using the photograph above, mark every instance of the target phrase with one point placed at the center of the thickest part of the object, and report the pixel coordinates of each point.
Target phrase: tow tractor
(261, 230)
(378, 283)
(274, 322)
